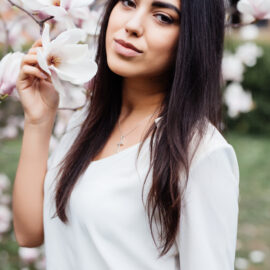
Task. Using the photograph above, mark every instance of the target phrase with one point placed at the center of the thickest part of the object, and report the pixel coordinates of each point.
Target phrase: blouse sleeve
(209, 216)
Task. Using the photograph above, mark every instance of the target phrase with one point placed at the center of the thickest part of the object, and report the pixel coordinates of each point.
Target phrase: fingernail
(44, 76)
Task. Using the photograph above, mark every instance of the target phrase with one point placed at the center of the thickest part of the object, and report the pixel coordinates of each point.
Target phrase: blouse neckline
(116, 156)
(125, 151)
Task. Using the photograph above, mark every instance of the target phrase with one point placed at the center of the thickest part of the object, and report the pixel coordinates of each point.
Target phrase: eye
(127, 3)
(165, 19)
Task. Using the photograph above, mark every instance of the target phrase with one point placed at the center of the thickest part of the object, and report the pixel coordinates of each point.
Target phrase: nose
(134, 25)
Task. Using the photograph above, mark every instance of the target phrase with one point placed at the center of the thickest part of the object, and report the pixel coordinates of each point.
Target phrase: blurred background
(246, 126)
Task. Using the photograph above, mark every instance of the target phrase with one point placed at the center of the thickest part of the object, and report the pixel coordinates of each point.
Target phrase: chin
(122, 72)
(123, 69)
(129, 68)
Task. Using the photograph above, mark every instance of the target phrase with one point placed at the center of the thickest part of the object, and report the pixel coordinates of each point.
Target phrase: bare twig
(40, 23)
(71, 109)
(237, 25)
(27, 12)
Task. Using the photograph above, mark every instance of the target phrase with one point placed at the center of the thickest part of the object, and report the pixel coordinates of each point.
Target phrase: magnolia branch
(40, 23)
(238, 25)
(70, 109)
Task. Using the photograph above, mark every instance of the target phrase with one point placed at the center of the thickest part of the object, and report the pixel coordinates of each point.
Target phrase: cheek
(162, 44)
(110, 28)
(114, 24)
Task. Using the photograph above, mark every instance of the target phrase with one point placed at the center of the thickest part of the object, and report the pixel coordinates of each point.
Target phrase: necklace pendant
(121, 143)
(121, 140)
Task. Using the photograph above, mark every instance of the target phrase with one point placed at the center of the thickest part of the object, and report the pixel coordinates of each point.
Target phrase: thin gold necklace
(122, 137)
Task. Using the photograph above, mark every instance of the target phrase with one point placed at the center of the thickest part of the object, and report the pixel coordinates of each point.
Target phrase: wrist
(39, 123)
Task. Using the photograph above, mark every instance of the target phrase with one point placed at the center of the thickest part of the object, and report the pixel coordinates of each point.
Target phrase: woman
(142, 178)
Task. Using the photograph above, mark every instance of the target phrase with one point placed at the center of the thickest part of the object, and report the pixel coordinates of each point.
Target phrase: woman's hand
(37, 94)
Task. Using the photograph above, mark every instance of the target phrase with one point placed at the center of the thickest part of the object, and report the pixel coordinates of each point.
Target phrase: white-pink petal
(42, 61)
(83, 74)
(32, 5)
(70, 36)
(79, 3)
(72, 53)
(5, 219)
(9, 71)
(58, 85)
(46, 36)
(55, 11)
(28, 255)
(258, 9)
(4, 183)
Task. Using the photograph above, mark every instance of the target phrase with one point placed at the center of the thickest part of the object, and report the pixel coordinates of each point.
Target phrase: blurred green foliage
(257, 81)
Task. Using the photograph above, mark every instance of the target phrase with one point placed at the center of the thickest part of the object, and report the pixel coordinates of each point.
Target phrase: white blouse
(108, 226)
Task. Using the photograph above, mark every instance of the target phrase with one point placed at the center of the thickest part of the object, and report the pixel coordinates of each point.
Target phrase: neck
(141, 97)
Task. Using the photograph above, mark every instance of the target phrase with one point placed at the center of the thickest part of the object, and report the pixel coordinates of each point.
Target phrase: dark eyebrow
(166, 5)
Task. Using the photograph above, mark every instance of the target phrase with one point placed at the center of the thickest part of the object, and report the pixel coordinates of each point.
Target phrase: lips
(128, 45)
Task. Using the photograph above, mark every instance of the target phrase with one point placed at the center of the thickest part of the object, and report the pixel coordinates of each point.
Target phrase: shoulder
(209, 206)
(212, 143)
(213, 164)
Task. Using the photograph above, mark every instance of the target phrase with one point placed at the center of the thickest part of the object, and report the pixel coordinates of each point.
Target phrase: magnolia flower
(21, 31)
(249, 32)
(241, 263)
(257, 256)
(232, 68)
(92, 24)
(237, 99)
(9, 132)
(29, 255)
(4, 183)
(63, 10)
(255, 9)
(53, 143)
(248, 53)
(9, 72)
(63, 117)
(5, 219)
(75, 96)
(5, 199)
(92, 27)
(16, 120)
(65, 60)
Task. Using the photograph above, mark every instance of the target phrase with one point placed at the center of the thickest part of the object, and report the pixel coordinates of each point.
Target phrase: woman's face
(152, 27)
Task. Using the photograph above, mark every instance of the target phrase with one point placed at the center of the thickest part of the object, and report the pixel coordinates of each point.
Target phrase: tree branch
(40, 23)
(238, 25)
(70, 109)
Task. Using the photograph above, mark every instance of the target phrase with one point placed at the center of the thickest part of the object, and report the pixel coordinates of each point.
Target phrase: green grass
(9, 157)
(254, 204)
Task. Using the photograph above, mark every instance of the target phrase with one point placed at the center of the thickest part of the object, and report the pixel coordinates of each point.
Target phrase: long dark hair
(193, 99)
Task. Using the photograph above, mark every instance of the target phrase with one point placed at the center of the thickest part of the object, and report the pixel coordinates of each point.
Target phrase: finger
(29, 59)
(37, 43)
(49, 79)
(33, 51)
(32, 71)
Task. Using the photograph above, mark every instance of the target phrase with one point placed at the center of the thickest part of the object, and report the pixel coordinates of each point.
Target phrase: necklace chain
(122, 137)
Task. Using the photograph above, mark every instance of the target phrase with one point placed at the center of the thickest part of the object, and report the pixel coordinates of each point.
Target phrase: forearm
(28, 185)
